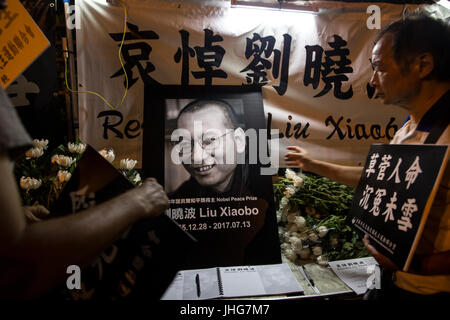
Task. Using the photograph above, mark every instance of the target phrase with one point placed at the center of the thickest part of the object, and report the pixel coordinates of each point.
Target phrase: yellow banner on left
(21, 42)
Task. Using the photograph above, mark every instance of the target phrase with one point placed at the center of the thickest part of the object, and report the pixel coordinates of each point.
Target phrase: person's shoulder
(14, 139)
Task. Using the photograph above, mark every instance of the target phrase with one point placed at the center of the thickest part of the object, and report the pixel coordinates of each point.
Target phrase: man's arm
(49, 246)
(347, 175)
(426, 264)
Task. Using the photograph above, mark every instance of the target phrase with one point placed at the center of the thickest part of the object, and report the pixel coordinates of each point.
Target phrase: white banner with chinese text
(314, 70)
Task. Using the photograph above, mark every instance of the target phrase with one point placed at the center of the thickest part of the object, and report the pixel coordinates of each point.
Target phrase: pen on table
(308, 276)
(197, 283)
(309, 279)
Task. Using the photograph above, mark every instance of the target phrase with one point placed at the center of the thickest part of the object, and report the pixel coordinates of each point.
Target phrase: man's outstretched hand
(151, 197)
(298, 157)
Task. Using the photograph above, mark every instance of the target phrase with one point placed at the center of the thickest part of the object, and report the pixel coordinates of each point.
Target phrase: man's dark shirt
(231, 238)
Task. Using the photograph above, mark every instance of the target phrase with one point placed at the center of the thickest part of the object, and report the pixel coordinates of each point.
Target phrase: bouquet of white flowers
(42, 174)
(313, 219)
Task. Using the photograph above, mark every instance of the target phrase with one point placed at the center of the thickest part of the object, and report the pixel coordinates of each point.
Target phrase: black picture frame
(264, 248)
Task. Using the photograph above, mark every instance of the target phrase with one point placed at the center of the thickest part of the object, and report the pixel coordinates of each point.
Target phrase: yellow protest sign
(21, 41)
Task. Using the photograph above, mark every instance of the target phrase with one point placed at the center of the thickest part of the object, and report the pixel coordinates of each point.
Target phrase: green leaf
(347, 246)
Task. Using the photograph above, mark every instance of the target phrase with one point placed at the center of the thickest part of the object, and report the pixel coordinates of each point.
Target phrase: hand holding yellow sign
(21, 42)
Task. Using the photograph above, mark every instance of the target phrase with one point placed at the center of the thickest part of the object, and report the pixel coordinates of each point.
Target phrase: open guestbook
(227, 282)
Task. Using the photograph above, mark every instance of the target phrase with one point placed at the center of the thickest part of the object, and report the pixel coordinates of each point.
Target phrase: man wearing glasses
(230, 220)
(211, 149)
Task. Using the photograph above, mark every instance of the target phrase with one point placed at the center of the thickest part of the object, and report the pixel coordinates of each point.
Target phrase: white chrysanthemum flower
(284, 217)
(28, 183)
(317, 250)
(322, 230)
(127, 164)
(290, 254)
(64, 176)
(42, 144)
(137, 178)
(297, 245)
(304, 253)
(289, 191)
(300, 222)
(292, 239)
(279, 214)
(322, 260)
(76, 148)
(291, 217)
(63, 161)
(298, 181)
(292, 228)
(280, 233)
(286, 211)
(295, 234)
(34, 153)
(284, 202)
(108, 155)
(290, 174)
(313, 237)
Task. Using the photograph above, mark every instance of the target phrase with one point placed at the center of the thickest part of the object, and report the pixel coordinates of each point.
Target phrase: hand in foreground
(298, 157)
(151, 196)
(382, 260)
(35, 213)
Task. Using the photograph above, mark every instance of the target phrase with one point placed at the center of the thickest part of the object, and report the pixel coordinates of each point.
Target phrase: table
(328, 284)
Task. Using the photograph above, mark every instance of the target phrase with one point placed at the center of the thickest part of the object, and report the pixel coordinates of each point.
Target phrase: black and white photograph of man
(212, 150)
(212, 172)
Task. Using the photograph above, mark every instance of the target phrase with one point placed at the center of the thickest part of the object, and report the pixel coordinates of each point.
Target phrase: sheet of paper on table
(359, 274)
